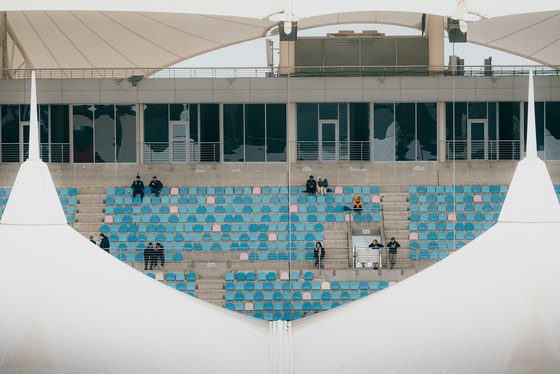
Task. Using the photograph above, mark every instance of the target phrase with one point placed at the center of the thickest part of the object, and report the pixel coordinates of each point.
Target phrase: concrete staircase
(395, 218)
(90, 211)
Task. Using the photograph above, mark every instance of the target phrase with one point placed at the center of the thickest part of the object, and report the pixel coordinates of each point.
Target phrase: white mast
(531, 150)
(33, 123)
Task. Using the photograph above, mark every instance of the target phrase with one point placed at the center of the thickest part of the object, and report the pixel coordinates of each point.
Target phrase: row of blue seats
(262, 276)
(437, 245)
(238, 218)
(181, 286)
(180, 276)
(208, 228)
(456, 198)
(451, 208)
(240, 190)
(283, 296)
(415, 217)
(296, 305)
(286, 316)
(211, 209)
(257, 199)
(253, 256)
(223, 246)
(458, 189)
(61, 192)
(244, 237)
(457, 226)
(450, 235)
(302, 286)
(439, 255)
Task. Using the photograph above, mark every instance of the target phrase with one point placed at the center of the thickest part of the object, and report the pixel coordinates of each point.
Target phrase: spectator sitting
(138, 187)
(357, 204)
(323, 184)
(158, 254)
(156, 186)
(311, 186)
(148, 253)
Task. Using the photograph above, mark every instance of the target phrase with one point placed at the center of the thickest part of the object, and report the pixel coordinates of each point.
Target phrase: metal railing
(50, 152)
(331, 151)
(303, 71)
(180, 152)
(482, 150)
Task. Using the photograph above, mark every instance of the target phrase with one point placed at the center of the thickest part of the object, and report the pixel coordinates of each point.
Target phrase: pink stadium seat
(272, 236)
(210, 200)
(326, 285)
(293, 208)
(413, 236)
(174, 191)
(348, 217)
(249, 306)
(375, 199)
(451, 217)
(338, 190)
(216, 228)
(477, 198)
(173, 209)
(159, 276)
(108, 219)
(244, 257)
(306, 296)
(284, 276)
(256, 190)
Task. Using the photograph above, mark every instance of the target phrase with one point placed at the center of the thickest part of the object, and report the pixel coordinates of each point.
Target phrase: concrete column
(4, 44)
(292, 131)
(140, 127)
(287, 58)
(435, 32)
(441, 132)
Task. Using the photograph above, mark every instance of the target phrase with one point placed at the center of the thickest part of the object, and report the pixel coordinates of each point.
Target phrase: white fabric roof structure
(491, 307)
(147, 34)
(69, 307)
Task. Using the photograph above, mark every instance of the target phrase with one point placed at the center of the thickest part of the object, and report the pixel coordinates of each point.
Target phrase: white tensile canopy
(69, 307)
(492, 307)
(147, 34)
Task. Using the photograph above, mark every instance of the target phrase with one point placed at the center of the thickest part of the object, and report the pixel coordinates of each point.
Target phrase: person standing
(318, 253)
(156, 186)
(148, 253)
(374, 245)
(393, 245)
(104, 242)
(138, 187)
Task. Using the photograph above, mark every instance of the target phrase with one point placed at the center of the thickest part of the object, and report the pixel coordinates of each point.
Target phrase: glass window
(492, 121)
(156, 132)
(405, 145)
(384, 132)
(104, 116)
(60, 133)
(210, 132)
(477, 110)
(539, 118)
(328, 111)
(359, 131)
(307, 131)
(126, 133)
(10, 133)
(275, 132)
(552, 132)
(83, 133)
(427, 131)
(255, 133)
(193, 123)
(509, 131)
(233, 133)
(460, 132)
(343, 122)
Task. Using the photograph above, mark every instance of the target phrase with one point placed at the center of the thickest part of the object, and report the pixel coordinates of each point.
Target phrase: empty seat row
(436, 245)
(458, 189)
(309, 227)
(415, 217)
(457, 198)
(261, 276)
(452, 208)
(451, 226)
(446, 235)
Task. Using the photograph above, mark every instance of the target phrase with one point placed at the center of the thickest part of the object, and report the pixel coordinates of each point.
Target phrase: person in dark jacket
(148, 253)
(104, 242)
(91, 239)
(156, 186)
(311, 186)
(318, 253)
(158, 254)
(374, 245)
(138, 187)
(393, 245)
